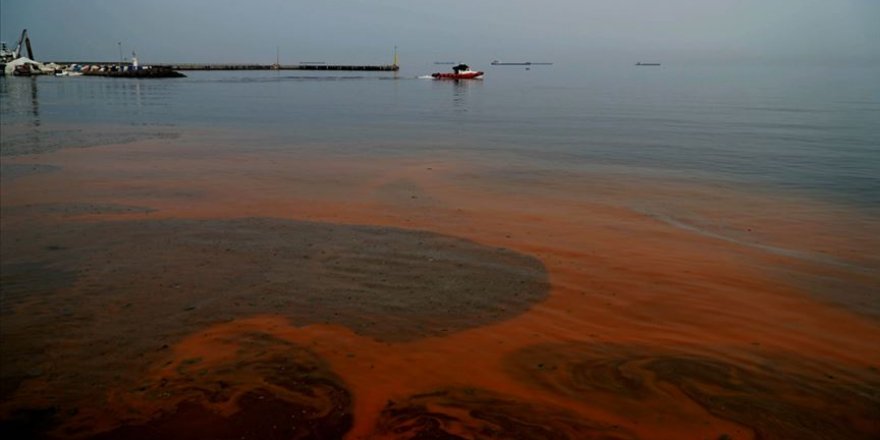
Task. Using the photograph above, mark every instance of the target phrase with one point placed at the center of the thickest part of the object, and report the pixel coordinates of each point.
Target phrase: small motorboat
(460, 71)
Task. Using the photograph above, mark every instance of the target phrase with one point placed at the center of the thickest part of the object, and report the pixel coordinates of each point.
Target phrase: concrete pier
(199, 66)
(374, 68)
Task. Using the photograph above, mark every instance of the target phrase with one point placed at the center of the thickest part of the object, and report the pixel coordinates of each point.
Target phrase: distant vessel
(523, 63)
(277, 65)
(647, 64)
(461, 71)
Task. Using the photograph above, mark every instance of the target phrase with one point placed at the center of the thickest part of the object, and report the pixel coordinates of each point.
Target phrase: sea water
(806, 129)
(558, 251)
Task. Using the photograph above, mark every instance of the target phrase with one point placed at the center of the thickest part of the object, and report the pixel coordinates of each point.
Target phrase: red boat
(461, 71)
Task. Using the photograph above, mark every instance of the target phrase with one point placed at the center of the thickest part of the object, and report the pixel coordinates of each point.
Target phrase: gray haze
(365, 31)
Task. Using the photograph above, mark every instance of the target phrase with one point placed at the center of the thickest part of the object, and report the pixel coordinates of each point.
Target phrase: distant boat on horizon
(647, 64)
(523, 63)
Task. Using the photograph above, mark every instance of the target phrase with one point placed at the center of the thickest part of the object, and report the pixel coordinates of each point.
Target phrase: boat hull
(463, 75)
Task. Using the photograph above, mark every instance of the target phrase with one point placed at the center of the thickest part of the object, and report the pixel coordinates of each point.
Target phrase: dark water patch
(464, 413)
(141, 285)
(23, 286)
(30, 423)
(389, 284)
(147, 192)
(21, 281)
(18, 141)
(76, 209)
(777, 398)
(279, 391)
(405, 191)
(855, 294)
(13, 171)
(263, 416)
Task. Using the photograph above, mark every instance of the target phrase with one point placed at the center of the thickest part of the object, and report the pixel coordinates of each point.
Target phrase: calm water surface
(811, 129)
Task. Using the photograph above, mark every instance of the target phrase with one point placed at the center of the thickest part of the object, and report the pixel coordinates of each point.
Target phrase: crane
(27, 42)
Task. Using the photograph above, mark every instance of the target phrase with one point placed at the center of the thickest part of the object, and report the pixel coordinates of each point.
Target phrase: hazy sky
(365, 31)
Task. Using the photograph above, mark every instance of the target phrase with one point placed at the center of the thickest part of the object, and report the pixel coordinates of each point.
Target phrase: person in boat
(457, 69)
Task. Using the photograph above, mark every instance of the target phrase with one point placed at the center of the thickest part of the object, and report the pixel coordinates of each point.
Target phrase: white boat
(23, 66)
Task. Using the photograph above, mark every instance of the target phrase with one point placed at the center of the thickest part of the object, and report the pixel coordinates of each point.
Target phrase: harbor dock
(199, 66)
(373, 68)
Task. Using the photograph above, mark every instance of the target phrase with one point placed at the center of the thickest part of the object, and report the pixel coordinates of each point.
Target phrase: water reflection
(42, 114)
(137, 92)
(35, 104)
(19, 102)
(460, 91)
(129, 93)
(20, 96)
(459, 94)
(76, 100)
